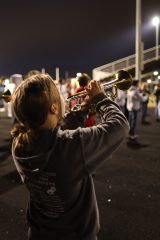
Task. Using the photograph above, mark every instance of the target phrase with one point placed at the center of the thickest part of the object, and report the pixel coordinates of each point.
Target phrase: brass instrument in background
(6, 96)
(122, 81)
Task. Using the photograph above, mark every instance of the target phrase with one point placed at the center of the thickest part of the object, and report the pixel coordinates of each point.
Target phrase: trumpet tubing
(122, 81)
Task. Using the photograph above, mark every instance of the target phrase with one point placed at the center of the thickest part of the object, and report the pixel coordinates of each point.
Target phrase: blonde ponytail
(23, 138)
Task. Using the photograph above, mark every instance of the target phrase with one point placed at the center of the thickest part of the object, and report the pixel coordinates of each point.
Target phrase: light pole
(138, 41)
(155, 22)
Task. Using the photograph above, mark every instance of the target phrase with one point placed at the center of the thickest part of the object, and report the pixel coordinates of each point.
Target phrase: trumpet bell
(124, 80)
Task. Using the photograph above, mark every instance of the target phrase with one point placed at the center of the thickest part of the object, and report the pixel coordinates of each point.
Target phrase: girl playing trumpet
(56, 156)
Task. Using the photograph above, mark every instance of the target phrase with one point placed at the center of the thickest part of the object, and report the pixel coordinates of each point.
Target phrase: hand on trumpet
(93, 89)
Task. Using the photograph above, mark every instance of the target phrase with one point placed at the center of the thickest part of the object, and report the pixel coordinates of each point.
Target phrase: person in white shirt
(134, 100)
(144, 104)
(121, 99)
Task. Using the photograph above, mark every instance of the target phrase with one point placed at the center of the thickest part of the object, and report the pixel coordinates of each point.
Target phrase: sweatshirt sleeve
(73, 120)
(99, 142)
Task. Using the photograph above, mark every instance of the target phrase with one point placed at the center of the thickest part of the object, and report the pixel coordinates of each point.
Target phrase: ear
(53, 109)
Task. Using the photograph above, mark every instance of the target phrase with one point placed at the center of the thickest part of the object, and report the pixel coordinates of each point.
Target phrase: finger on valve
(94, 88)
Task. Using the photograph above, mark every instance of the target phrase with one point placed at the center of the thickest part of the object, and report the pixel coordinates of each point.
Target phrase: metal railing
(126, 63)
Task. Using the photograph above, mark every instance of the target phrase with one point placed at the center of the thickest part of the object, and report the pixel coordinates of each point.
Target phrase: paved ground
(127, 187)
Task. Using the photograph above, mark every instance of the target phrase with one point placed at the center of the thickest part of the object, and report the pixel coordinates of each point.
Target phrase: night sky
(75, 36)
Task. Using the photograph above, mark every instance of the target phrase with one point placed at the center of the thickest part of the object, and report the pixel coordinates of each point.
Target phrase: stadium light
(79, 74)
(149, 81)
(155, 73)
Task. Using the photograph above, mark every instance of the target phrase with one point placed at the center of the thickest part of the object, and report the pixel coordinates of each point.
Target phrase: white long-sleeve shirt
(121, 98)
(134, 99)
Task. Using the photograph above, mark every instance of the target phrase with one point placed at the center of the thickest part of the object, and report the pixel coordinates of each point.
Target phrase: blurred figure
(83, 81)
(144, 104)
(1, 99)
(134, 100)
(63, 88)
(157, 107)
(69, 88)
(121, 99)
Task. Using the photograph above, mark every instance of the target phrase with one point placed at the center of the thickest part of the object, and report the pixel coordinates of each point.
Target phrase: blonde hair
(31, 104)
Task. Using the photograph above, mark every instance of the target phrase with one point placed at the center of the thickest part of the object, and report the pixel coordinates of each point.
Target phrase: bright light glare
(79, 74)
(149, 81)
(155, 21)
(159, 77)
(6, 82)
(155, 73)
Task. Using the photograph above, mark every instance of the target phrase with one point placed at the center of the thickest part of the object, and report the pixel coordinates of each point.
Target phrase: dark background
(72, 35)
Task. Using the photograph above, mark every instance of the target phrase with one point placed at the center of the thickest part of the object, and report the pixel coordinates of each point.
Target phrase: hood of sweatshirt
(38, 159)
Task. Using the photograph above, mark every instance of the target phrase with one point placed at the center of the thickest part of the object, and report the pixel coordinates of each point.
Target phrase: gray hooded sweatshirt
(58, 174)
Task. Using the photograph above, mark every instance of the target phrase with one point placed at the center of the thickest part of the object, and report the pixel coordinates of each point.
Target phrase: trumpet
(122, 81)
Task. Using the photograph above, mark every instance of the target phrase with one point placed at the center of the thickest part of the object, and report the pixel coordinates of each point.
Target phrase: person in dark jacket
(145, 93)
(56, 156)
(157, 104)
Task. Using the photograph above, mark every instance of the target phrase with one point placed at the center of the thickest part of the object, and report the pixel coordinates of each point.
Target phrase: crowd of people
(132, 102)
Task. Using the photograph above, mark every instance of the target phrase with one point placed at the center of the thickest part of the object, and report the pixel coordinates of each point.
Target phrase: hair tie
(22, 129)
